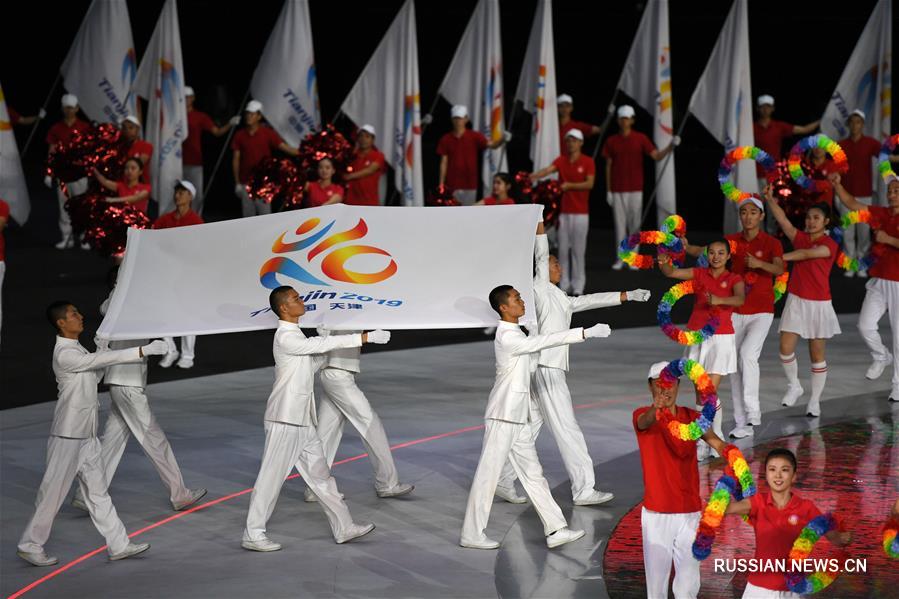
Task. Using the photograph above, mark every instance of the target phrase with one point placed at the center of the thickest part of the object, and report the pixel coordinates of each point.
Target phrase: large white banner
(387, 96)
(284, 80)
(356, 267)
(12, 178)
(480, 53)
(160, 79)
(101, 64)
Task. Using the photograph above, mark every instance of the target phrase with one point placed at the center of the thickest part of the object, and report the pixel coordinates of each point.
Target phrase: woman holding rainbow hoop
(719, 289)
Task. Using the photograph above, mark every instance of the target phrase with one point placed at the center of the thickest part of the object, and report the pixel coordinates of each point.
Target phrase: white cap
(765, 99)
(626, 112)
(656, 369)
(564, 99)
(368, 129)
(857, 112)
(188, 91)
(752, 200)
(186, 185)
(459, 111)
(69, 101)
(131, 119)
(253, 106)
(575, 133)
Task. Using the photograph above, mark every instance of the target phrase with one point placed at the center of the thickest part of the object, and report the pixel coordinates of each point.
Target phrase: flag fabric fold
(12, 178)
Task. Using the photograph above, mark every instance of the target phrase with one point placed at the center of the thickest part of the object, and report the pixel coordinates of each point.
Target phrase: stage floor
(432, 402)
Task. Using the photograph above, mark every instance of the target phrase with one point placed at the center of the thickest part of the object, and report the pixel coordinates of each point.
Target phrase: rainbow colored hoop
(891, 538)
(883, 159)
(851, 219)
(684, 337)
(794, 162)
(762, 158)
(627, 249)
(780, 285)
(802, 548)
(707, 393)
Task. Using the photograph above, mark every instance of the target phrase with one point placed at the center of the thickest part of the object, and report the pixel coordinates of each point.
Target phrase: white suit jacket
(555, 307)
(77, 373)
(126, 375)
(291, 400)
(515, 354)
(345, 358)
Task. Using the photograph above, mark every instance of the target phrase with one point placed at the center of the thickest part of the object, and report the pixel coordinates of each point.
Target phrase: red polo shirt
(759, 284)
(775, 532)
(721, 286)
(123, 191)
(492, 201)
(60, 133)
(886, 263)
(137, 149)
(254, 149)
(171, 219)
(627, 154)
(858, 180)
(462, 158)
(364, 191)
(575, 202)
(316, 195)
(771, 139)
(585, 128)
(810, 279)
(192, 147)
(823, 186)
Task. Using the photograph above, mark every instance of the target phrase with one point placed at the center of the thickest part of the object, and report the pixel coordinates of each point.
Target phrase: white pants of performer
(856, 238)
(627, 211)
(129, 415)
(250, 207)
(754, 592)
(288, 446)
(66, 459)
(343, 401)
(573, 230)
(750, 331)
(882, 297)
(551, 390)
(466, 197)
(65, 222)
(188, 343)
(508, 441)
(194, 174)
(668, 537)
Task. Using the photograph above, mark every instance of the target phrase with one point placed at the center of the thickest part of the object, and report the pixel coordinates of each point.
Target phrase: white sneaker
(355, 531)
(38, 558)
(185, 363)
(398, 491)
(742, 432)
(168, 359)
(790, 397)
(562, 536)
(755, 419)
(130, 551)
(863, 274)
(484, 543)
(264, 544)
(848, 274)
(309, 496)
(195, 496)
(813, 409)
(595, 498)
(79, 504)
(510, 495)
(64, 244)
(85, 246)
(894, 397)
(619, 264)
(876, 368)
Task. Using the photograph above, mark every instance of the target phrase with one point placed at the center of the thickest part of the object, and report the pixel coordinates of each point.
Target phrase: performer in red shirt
(882, 293)
(250, 146)
(565, 105)
(502, 186)
(4, 220)
(577, 173)
(130, 190)
(671, 503)
(770, 134)
(624, 153)
(808, 312)
(137, 147)
(192, 147)
(324, 191)
(458, 151)
(364, 174)
(62, 132)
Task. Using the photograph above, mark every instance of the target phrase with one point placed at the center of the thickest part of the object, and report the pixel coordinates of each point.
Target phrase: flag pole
(605, 124)
(502, 152)
(218, 162)
(655, 189)
(44, 108)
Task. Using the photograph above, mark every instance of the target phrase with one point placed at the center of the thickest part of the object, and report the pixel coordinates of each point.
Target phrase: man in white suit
(290, 419)
(509, 433)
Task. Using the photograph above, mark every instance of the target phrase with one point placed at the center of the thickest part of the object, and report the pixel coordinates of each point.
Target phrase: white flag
(387, 97)
(647, 79)
(101, 65)
(722, 100)
(12, 179)
(475, 79)
(537, 87)
(865, 83)
(284, 80)
(160, 79)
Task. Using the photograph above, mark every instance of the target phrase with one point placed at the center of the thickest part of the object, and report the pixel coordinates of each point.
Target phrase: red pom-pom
(794, 199)
(99, 147)
(104, 226)
(327, 143)
(277, 181)
(548, 193)
(441, 197)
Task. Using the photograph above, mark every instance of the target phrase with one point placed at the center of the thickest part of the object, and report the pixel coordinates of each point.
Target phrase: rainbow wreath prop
(731, 191)
(794, 162)
(848, 220)
(780, 285)
(684, 337)
(668, 243)
(802, 548)
(883, 159)
(891, 538)
(707, 393)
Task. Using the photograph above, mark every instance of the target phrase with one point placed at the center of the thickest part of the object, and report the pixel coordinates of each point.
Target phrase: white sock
(819, 377)
(791, 369)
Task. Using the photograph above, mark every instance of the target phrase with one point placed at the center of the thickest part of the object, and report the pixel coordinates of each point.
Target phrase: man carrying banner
(364, 173)
(61, 133)
(565, 104)
(458, 151)
(192, 147)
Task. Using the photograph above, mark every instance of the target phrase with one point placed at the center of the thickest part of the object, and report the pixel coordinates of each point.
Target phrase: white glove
(675, 141)
(427, 119)
(235, 120)
(638, 295)
(378, 336)
(156, 348)
(597, 331)
(239, 189)
(48, 181)
(612, 108)
(507, 136)
(41, 114)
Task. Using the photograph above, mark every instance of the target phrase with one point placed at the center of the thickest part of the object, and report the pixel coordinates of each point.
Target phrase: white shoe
(168, 359)
(632, 267)
(185, 363)
(195, 496)
(894, 397)
(398, 491)
(484, 543)
(876, 368)
(130, 551)
(742, 432)
(510, 495)
(790, 397)
(863, 274)
(702, 451)
(489, 331)
(309, 496)
(562, 536)
(65, 243)
(79, 504)
(264, 544)
(355, 531)
(813, 409)
(85, 246)
(595, 498)
(619, 264)
(848, 274)
(38, 558)
(755, 420)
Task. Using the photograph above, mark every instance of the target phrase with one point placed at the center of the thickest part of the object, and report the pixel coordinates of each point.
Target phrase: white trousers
(573, 230)
(753, 592)
(287, 447)
(857, 238)
(466, 197)
(66, 459)
(65, 221)
(188, 343)
(250, 207)
(130, 414)
(627, 211)
(508, 441)
(750, 331)
(882, 297)
(342, 401)
(2, 275)
(194, 174)
(668, 537)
